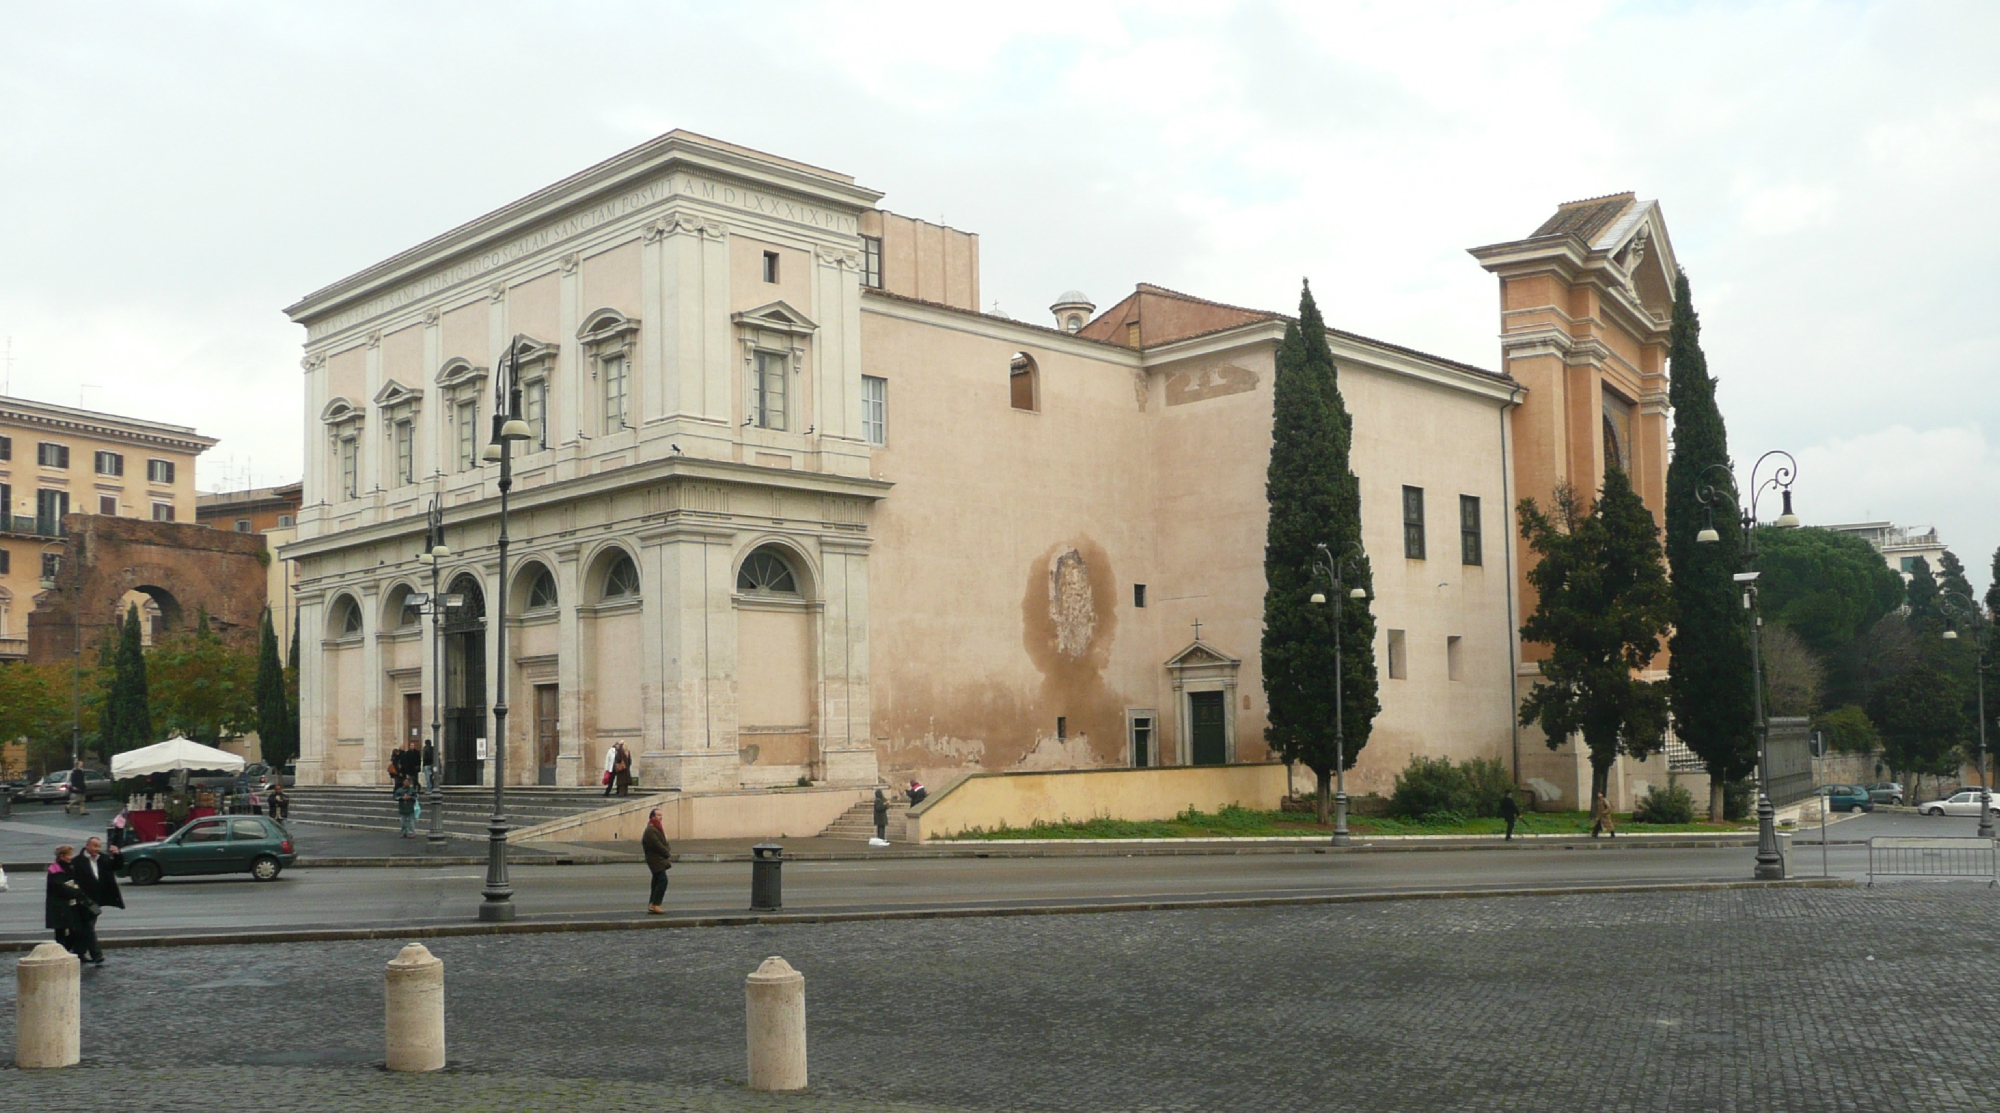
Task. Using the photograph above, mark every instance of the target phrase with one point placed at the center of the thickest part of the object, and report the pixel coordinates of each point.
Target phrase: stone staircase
(466, 807)
(858, 822)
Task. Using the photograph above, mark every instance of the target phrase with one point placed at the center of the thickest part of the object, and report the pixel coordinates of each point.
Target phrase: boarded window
(1021, 382)
(1399, 655)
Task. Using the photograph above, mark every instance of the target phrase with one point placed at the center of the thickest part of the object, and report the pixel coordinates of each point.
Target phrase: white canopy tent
(173, 754)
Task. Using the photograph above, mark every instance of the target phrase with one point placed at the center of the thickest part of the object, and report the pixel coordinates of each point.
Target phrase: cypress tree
(1315, 499)
(1708, 676)
(132, 718)
(1951, 577)
(1603, 608)
(1921, 596)
(291, 746)
(274, 712)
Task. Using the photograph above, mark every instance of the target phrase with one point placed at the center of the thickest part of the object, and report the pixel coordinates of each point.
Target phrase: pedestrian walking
(406, 807)
(79, 794)
(96, 873)
(1510, 810)
(430, 766)
(1600, 818)
(659, 859)
(279, 804)
(618, 770)
(62, 908)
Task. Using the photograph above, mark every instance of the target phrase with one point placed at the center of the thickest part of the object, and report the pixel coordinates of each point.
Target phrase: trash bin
(767, 883)
(6, 802)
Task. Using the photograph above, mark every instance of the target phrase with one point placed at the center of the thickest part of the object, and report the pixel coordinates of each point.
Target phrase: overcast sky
(171, 175)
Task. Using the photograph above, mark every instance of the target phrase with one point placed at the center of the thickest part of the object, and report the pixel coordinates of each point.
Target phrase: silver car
(1958, 803)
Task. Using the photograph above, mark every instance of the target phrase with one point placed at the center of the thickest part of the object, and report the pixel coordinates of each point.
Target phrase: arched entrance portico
(464, 634)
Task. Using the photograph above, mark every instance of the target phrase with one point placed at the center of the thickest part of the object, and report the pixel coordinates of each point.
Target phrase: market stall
(151, 814)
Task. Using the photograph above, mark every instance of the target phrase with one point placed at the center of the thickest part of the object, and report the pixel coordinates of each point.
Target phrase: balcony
(29, 526)
(13, 649)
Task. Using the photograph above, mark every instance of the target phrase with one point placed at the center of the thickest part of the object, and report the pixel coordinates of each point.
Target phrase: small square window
(107, 505)
(159, 471)
(1138, 595)
(1399, 656)
(163, 512)
(51, 455)
(285, 521)
(110, 463)
(243, 525)
(770, 266)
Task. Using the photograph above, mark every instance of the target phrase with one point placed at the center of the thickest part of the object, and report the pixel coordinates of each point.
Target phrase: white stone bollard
(775, 997)
(414, 1012)
(47, 1002)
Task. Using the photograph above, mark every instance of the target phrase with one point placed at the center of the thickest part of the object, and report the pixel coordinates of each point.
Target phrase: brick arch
(186, 569)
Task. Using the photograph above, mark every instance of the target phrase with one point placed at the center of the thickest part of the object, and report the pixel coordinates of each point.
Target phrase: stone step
(858, 823)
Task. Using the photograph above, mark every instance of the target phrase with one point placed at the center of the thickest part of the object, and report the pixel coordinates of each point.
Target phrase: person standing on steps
(1510, 810)
(881, 818)
(1600, 818)
(659, 859)
(618, 768)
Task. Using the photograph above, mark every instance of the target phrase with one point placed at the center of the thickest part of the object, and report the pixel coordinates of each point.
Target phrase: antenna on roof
(7, 363)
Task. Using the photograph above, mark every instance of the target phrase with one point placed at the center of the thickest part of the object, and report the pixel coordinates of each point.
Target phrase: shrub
(1673, 805)
(1849, 730)
(1432, 787)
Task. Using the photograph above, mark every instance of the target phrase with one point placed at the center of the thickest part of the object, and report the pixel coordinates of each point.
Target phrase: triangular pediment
(1200, 653)
(394, 393)
(777, 315)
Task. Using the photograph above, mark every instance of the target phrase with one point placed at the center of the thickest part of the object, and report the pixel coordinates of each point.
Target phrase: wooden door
(548, 740)
(1208, 731)
(413, 718)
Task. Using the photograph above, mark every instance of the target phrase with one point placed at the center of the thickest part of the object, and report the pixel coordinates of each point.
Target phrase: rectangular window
(1470, 548)
(770, 266)
(768, 405)
(285, 521)
(1909, 566)
(51, 565)
(163, 512)
(1454, 657)
(159, 471)
(1021, 382)
(406, 452)
(1399, 656)
(6, 507)
(6, 562)
(243, 525)
(535, 411)
(107, 505)
(50, 455)
(871, 261)
(1142, 741)
(617, 376)
(468, 434)
(874, 409)
(1062, 726)
(1138, 595)
(110, 463)
(6, 448)
(350, 468)
(50, 506)
(1413, 523)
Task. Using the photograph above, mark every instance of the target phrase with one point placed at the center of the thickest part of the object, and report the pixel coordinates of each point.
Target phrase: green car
(1847, 798)
(253, 844)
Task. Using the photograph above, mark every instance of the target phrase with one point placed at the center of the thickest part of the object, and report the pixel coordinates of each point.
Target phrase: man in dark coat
(659, 859)
(79, 795)
(1510, 810)
(278, 805)
(62, 908)
(881, 817)
(96, 873)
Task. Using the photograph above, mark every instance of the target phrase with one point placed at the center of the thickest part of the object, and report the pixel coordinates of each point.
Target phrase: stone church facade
(795, 508)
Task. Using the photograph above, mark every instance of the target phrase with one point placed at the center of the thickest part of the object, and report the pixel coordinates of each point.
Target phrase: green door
(1207, 729)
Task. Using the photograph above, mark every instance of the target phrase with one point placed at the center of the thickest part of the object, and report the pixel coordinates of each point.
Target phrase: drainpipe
(1513, 627)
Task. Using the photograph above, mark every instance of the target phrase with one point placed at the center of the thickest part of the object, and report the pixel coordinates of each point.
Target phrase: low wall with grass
(986, 801)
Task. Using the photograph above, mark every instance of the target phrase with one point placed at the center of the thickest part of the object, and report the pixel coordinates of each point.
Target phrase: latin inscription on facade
(1212, 381)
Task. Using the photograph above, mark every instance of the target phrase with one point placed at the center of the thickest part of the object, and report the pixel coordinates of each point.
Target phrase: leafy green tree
(1603, 609)
(1849, 730)
(202, 687)
(274, 710)
(128, 712)
(1314, 499)
(1951, 577)
(1708, 675)
(1922, 597)
(35, 706)
(1830, 589)
(1921, 716)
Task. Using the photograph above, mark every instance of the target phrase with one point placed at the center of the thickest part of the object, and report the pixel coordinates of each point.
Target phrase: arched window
(764, 572)
(621, 580)
(1023, 385)
(542, 588)
(402, 613)
(346, 617)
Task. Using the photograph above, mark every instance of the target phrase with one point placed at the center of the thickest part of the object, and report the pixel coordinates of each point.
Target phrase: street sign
(479, 750)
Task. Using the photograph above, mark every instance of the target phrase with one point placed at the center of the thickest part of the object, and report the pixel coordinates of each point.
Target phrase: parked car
(1886, 792)
(1846, 798)
(54, 788)
(253, 844)
(1958, 803)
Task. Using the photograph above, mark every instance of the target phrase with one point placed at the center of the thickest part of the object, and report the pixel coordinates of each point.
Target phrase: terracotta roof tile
(1585, 218)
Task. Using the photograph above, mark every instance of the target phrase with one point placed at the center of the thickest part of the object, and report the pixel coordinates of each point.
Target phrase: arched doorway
(464, 680)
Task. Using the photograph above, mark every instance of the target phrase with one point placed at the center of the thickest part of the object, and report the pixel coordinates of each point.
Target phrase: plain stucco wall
(992, 801)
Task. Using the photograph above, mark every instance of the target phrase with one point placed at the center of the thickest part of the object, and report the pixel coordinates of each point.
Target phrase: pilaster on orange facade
(1586, 302)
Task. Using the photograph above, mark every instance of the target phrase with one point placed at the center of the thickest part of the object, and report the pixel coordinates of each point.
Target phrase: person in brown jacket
(659, 859)
(1600, 818)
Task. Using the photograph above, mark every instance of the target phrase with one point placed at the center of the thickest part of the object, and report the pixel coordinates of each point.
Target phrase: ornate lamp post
(1982, 638)
(498, 903)
(1770, 861)
(1331, 568)
(434, 554)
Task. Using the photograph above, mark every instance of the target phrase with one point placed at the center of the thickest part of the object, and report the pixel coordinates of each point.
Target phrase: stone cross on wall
(1197, 629)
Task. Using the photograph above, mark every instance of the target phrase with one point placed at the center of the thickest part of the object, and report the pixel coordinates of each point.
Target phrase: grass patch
(1234, 822)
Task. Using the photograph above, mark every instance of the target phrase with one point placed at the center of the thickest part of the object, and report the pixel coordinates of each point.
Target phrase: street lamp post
(1982, 637)
(1770, 860)
(498, 903)
(1331, 568)
(434, 554)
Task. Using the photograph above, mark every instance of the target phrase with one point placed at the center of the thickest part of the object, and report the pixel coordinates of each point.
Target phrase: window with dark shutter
(1471, 549)
(1413, 523)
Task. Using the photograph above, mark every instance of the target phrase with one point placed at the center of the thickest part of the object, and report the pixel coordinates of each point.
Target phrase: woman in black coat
(62, 909)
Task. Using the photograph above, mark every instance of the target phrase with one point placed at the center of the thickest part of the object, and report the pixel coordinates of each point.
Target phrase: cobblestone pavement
(1820, 1000)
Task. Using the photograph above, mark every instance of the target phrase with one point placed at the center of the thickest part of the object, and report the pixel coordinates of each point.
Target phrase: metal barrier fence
(1895, 856)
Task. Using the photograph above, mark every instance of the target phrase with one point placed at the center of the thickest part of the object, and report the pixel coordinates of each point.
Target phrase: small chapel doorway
(1208, 730)
(413, 718)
